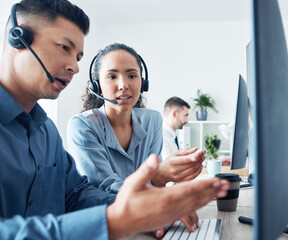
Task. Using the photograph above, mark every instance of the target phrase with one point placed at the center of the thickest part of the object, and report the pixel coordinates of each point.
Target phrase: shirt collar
(138, 133)
(171, 132)
(10, 109)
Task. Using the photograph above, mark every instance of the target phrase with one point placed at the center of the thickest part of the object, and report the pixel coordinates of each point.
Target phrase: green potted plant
(212, 145)
(204, 101)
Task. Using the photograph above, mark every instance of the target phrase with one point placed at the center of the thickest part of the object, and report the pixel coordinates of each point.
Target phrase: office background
(187, 45)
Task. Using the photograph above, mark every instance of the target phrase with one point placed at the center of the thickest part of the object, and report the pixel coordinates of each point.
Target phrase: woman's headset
(95, 88)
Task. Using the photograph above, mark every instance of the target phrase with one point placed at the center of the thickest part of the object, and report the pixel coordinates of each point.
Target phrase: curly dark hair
(91, 101)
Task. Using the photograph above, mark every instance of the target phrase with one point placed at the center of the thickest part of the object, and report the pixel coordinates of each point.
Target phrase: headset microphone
(103, 98)
(21, 37)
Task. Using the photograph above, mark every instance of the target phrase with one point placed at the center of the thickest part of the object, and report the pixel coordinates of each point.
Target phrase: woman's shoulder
(146, 111)
(89, 116)
(95, 112)
(146, 114)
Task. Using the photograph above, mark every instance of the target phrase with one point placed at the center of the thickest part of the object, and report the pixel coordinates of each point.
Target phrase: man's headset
(95, 88)
(20, 37)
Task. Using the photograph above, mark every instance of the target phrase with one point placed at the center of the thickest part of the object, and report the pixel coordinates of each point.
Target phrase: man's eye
(111, 77)
(65, 48)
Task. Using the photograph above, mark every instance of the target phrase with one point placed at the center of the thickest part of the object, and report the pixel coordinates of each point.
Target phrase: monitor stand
(250, 181)
(249, 221)
(251, 178)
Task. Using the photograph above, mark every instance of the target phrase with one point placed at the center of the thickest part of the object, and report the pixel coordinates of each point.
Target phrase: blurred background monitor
(240, 136)
(270, 120)
(251, 93)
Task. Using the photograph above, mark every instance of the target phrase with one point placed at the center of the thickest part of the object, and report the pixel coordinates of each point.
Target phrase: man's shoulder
(168, 132)
(51, 128)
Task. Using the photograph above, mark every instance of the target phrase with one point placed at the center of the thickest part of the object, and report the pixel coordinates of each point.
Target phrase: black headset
(17, 32)
(20, 37)
(95, 88)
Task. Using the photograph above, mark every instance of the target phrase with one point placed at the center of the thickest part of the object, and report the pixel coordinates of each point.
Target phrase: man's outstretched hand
(141, 207)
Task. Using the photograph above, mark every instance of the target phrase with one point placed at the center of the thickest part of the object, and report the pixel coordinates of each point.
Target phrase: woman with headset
(114, 134)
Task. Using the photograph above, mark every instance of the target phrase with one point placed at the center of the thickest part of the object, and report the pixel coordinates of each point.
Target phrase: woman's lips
(123, 99)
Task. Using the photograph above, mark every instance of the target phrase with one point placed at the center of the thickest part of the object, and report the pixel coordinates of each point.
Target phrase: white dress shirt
(169, 145)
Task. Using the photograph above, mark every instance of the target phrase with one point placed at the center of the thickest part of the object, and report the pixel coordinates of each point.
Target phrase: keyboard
(209, 230)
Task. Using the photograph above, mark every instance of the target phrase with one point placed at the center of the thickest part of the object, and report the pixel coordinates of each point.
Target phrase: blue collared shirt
(39, 181)
(97, 152)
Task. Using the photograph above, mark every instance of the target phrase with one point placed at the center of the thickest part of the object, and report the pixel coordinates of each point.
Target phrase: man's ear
(17, 50)
(174, 112)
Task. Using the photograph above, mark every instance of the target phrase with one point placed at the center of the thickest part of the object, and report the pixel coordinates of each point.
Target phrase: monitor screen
(240, 136)
(270, 120)
(250, 90)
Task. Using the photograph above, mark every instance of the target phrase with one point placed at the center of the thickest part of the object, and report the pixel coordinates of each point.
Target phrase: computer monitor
(250, 90)
(270, 120)
(240, 136)
(250, 69)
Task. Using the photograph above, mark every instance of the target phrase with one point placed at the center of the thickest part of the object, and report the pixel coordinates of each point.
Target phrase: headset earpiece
(94, 86)
(145, 81)
(93, 83)
(145, 85)
(20, 37)
(18, 32)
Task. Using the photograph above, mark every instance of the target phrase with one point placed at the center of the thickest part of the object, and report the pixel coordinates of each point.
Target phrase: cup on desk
(213, 167)
(229, 203)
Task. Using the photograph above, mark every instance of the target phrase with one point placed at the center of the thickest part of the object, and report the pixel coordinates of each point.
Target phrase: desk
(231, 227)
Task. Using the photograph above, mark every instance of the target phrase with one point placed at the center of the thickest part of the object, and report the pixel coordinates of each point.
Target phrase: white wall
(181, 57)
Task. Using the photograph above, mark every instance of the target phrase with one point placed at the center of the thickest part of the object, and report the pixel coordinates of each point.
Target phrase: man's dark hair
(51, 9)
(175, 102)
(90, 100)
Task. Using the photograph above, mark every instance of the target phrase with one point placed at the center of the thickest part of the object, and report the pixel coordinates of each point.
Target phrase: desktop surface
(231, 227)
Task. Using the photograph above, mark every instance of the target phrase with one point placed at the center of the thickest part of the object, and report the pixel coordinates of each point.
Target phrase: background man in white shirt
(176, 112)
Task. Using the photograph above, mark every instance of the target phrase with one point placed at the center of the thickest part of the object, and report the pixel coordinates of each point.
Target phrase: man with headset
(42, 196)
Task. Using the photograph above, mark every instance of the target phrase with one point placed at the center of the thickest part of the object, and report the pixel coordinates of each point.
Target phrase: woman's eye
(111, 77)
(132, 76)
